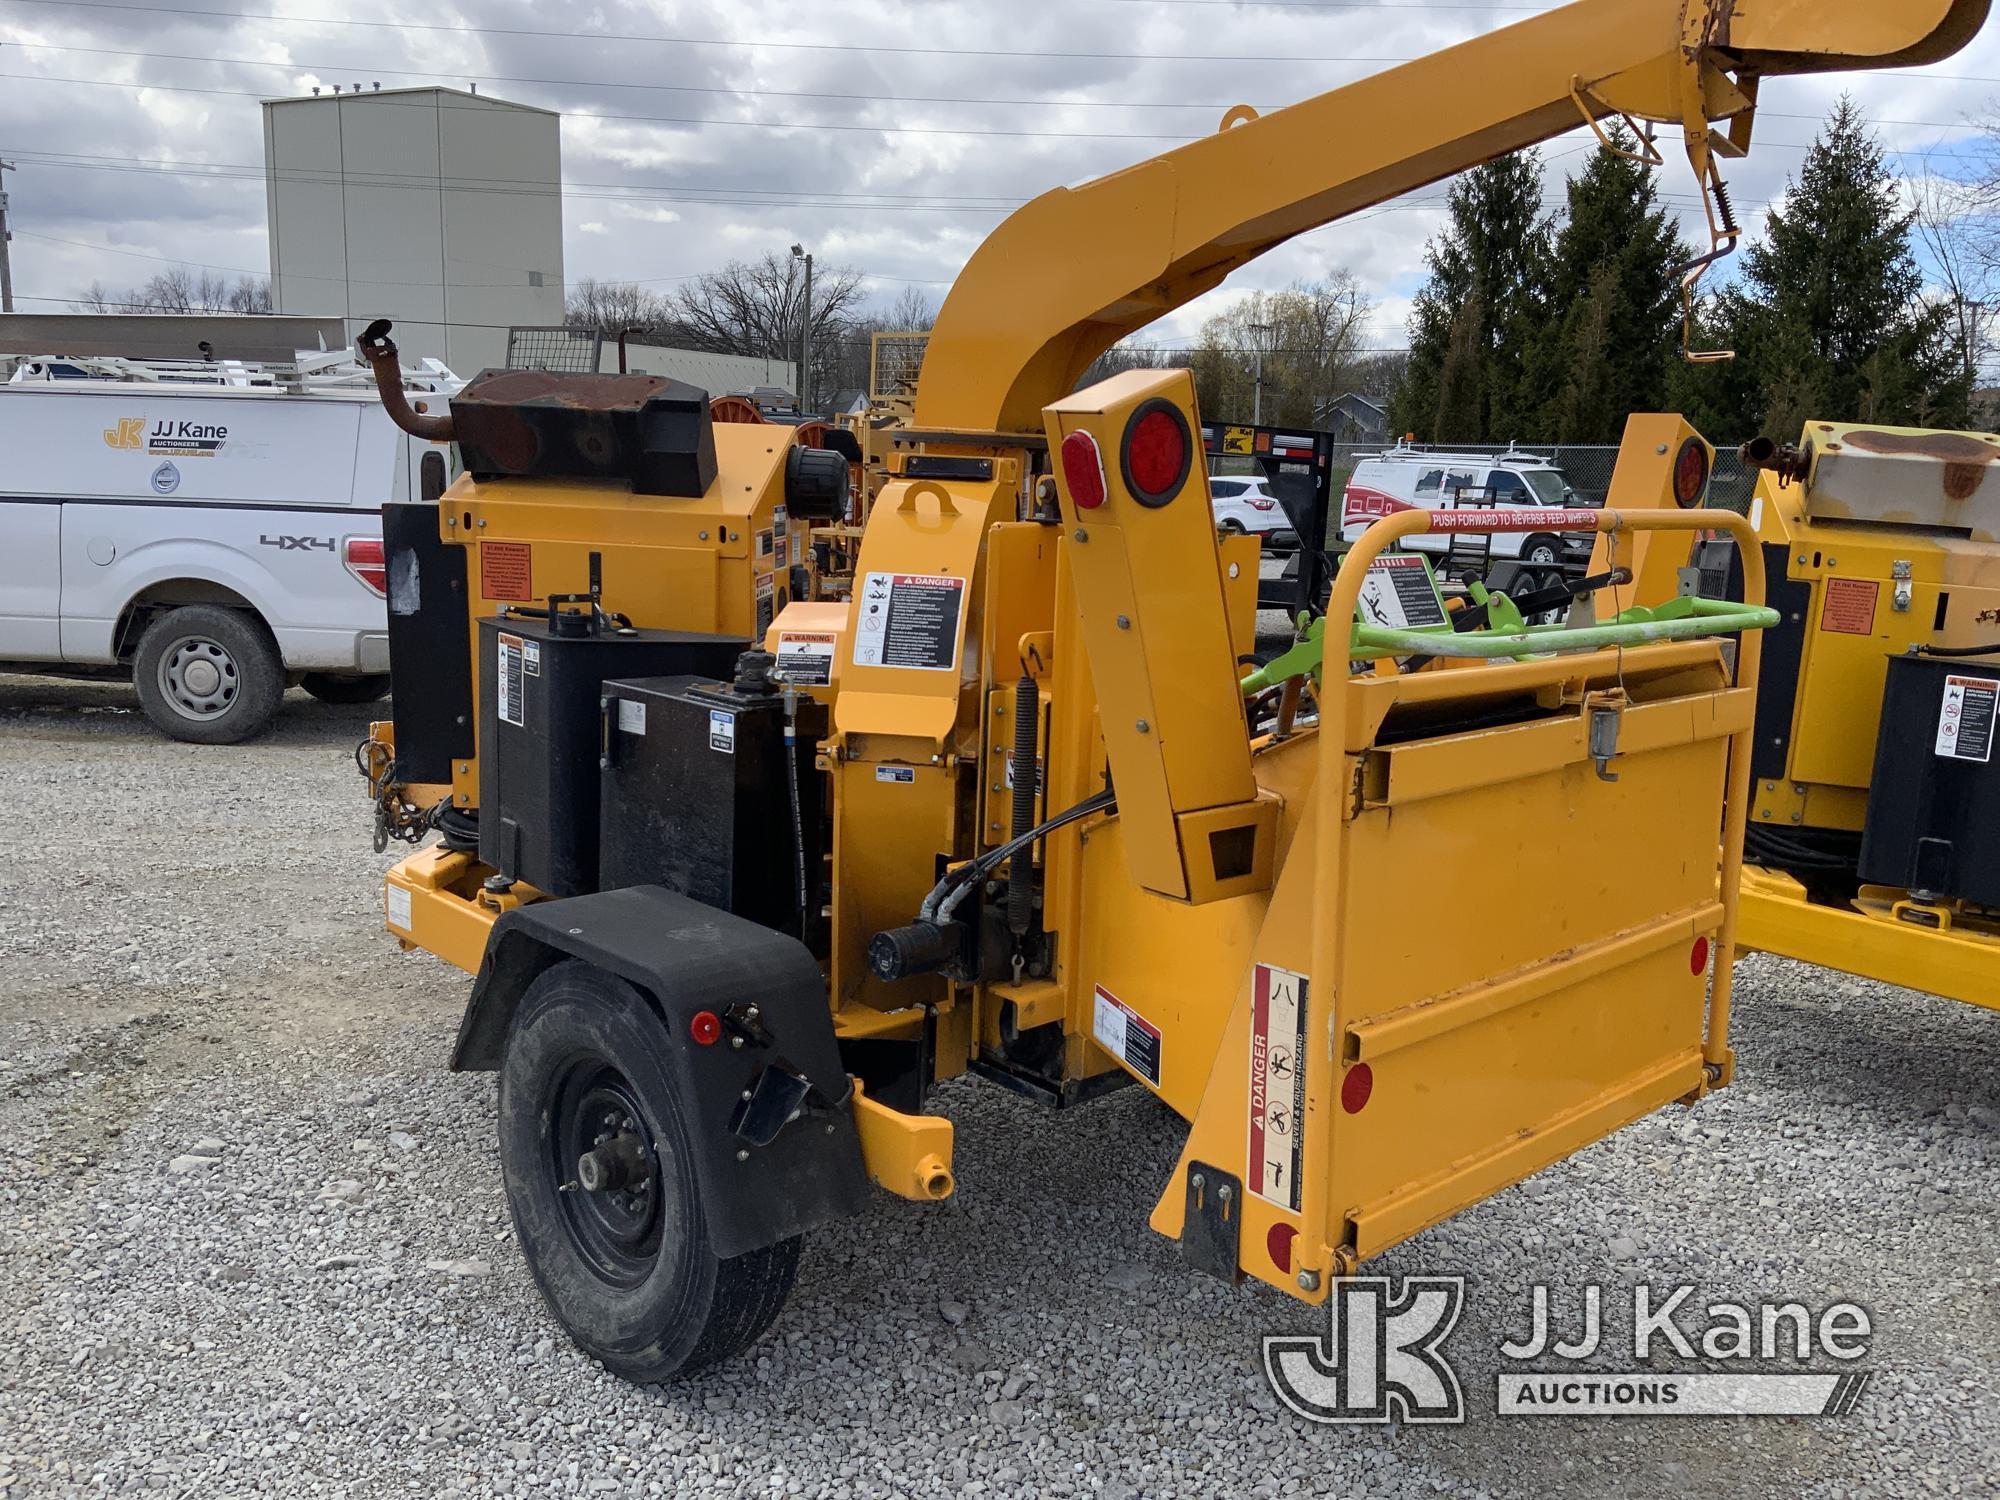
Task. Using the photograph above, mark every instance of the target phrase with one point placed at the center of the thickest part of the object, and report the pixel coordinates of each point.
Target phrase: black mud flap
(777, 1153)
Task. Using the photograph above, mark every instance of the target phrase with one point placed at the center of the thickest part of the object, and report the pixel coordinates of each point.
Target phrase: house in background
(1354, 418)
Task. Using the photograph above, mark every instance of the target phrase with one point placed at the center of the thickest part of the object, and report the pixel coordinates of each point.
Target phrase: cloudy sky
(888, 136)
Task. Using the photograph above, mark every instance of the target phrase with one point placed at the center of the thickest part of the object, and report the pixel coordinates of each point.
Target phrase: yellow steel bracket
(1594, 109)
(1706, 93)
(910, 1155)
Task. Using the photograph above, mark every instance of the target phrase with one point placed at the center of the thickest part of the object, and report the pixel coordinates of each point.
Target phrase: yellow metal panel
(910, 1155)
(892, 821)
(1957, 964)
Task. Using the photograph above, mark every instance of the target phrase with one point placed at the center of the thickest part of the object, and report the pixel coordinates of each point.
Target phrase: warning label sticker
(396, 901)
(722, 731)
(1277, 1084)
(506, 570)
(805, 658)
(1850, 606)
(531, 658)
(1965, 720)
(908, 620)
(897, 775)
(512, 706)
(1399, 594)
(631, 717)
(1126, 1035)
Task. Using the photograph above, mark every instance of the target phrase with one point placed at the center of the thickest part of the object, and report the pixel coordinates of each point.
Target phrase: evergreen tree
(1830, 317)
(1474, 321)
(1614, 327)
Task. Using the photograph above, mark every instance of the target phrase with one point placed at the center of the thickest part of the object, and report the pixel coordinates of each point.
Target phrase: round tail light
(1157, 453)
(1690, 474)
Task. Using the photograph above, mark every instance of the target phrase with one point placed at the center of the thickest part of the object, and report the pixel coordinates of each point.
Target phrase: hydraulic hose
(1021, 867)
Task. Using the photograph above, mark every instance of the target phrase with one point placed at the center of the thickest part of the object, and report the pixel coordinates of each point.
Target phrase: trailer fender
(745, 1030)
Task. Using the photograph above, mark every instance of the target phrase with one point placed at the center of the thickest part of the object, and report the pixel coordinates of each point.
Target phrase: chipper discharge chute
(741, 888)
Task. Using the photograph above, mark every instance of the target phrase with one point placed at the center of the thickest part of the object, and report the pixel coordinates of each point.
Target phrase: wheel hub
(198, 677)
(601, 1154)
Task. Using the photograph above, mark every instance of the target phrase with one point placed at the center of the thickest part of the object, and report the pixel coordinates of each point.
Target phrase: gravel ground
(252, 1238)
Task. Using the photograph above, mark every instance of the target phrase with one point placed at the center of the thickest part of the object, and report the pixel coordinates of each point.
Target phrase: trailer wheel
(208, 674)
(595, 1150)
(330, 688)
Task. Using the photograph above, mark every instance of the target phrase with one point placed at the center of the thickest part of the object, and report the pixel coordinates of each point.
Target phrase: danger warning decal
(908, 620)
(1126, 1035)
(1398, 594)
(1277, 1085)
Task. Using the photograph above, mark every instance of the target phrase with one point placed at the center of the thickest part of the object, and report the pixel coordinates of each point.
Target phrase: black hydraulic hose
(1021, 868)
(798, 817)
(1992, 650)
(951, 890)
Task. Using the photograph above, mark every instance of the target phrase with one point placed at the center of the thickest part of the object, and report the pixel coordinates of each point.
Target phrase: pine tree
(1614, 289)
(1474, 319)
(1829, 318)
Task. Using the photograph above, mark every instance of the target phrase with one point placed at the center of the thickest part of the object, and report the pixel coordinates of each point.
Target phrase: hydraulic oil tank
(540, 688)
(1934, 803)
(650, 432)
(698, 793)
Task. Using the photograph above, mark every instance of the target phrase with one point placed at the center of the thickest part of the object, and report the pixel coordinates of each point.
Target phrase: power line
(984, 54)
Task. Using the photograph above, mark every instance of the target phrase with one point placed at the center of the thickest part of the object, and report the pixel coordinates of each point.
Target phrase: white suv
(1246, 505)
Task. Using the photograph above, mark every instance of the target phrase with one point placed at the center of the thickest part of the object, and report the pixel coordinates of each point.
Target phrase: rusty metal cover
(1904, 476)
(650, 432)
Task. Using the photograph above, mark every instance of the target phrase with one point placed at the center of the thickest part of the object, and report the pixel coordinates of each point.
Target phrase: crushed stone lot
(253, 1239)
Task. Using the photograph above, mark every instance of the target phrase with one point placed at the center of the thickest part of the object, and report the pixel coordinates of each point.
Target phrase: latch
(1604, 723)
(1900, 570)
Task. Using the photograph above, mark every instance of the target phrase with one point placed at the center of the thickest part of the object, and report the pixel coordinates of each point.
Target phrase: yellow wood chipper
(744, 874)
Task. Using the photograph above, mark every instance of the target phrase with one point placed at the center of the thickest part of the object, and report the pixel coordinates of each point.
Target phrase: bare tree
(1951, 224)
(1309, 335)
(181, 289)
(758, 308)
(911, 312)
(612, 306)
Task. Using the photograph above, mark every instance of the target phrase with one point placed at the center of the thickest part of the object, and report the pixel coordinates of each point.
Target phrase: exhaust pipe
(378, 352)
(1790, 464)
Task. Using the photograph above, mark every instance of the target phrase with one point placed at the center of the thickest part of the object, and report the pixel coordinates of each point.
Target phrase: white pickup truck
(212, 530)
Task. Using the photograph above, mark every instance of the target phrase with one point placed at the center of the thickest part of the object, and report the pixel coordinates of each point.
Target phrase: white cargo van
(212, 530)
(1404, 479)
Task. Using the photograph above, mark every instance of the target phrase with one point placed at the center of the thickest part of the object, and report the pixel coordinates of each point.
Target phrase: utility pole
(1257, 331)
(6, 234)
(799, 252)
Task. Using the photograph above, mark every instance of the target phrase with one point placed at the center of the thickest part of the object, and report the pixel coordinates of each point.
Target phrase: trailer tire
(1542, 551)
(208, 674)
(625, 1266)
(330, 687)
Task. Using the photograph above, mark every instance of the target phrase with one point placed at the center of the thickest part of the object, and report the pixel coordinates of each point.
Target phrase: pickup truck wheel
(208, 675)
(1542, 552)
(329, 688)
(597, 1153)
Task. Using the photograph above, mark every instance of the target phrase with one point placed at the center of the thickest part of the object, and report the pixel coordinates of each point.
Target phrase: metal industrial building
(435, 207)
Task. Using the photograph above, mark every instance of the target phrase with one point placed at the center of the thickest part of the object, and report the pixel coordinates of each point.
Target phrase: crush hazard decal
(1126, 1035)
(908, 620)
(1398, 594)
(1277, 1085)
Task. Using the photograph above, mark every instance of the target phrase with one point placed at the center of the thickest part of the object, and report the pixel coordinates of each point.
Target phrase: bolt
(463, 768)
(996, 786)
(1308, 1281)
(1661, 449)
(576, 932)
(701, 536)
(482, 520)
(1082, 535)
(1144, 727)
(742, 1155)
(1225, 1192)
(829, 1129)
(1195, 1179)
(1124, 622)
(736, 1043)
(1798, 817)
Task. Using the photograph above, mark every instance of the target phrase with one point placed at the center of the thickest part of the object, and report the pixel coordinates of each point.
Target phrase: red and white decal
(1514, 520)
(1126, 1035)
(1364, 504)
(1277, 1085)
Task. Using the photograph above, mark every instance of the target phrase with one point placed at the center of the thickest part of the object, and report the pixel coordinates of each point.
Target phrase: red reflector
(705, 1028)
(365, 560)
(1156, 452)
(1356, 1087)
(1698, 956)
(1690, 474)
(1279, 1243)
(1083, 469)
